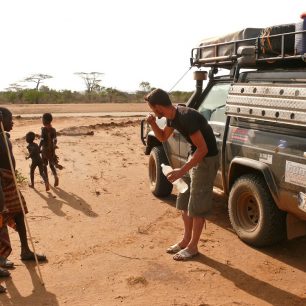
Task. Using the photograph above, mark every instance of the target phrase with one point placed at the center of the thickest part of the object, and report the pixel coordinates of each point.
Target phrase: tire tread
(273, 228)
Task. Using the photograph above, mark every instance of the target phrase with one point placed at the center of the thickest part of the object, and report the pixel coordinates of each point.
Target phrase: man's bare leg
(197, 228)
(188, 225)
(26, 253)
(22, 232)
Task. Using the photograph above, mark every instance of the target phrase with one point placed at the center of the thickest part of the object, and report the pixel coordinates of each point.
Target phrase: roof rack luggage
(280, 45)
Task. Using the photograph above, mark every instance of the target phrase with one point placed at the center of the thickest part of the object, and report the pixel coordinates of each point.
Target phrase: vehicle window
(218, 115)
(213, 105)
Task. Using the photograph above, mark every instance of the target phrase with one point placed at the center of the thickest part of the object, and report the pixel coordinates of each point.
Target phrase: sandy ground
(105, 234)
(19, 109)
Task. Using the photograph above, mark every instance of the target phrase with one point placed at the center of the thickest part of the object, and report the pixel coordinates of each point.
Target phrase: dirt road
(105, 234)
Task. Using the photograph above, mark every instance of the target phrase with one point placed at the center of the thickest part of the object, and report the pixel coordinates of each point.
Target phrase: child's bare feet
(58, 166)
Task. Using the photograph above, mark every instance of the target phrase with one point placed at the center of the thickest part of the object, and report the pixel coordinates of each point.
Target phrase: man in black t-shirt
(202, 165)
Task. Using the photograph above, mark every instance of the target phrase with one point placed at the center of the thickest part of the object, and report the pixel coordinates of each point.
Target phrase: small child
(48, 143)
(34, 154)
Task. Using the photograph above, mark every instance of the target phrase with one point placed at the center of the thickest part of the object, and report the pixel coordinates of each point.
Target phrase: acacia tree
(37, 79)
(145, 86)
(92, 80)
(14, 87)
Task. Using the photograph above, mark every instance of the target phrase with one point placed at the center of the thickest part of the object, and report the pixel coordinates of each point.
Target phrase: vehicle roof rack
(251, 53)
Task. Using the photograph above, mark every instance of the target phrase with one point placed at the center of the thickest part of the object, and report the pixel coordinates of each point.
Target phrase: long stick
(21, 204)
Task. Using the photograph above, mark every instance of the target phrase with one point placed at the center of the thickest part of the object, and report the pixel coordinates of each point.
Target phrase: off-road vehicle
(258, 114)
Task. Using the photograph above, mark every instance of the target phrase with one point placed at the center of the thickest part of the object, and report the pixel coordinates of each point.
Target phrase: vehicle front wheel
(159, 185)
(253, 213)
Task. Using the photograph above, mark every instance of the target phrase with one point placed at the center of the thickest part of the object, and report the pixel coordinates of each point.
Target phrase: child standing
(34, 154)
(48, 145)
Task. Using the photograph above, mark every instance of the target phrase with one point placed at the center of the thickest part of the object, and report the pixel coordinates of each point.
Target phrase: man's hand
(151, 119)
(175, 174)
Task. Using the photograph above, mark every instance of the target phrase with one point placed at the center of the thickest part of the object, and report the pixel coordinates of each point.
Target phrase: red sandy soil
(105, 234)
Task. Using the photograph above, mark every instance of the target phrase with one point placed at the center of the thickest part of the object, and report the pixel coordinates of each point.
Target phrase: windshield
(214, 100)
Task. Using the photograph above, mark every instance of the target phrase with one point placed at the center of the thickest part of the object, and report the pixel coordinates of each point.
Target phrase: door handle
(217, 134)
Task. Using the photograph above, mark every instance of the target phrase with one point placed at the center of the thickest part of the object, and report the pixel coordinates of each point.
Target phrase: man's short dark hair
(47, 117)
(158, 97)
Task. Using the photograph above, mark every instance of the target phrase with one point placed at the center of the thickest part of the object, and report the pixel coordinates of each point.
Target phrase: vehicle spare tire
(253, 213)
(159, 185)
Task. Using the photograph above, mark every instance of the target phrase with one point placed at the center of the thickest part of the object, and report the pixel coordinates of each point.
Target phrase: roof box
(228, 45)
(270, 43)
(254, 47)
(300, 38)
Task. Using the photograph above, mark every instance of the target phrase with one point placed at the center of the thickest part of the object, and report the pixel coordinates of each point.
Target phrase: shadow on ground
(39, 295)
(61, 197)
(251, 285)
(291, 252)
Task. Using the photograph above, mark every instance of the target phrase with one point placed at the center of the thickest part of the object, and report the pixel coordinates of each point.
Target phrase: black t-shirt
(4, 159)
(187, 121)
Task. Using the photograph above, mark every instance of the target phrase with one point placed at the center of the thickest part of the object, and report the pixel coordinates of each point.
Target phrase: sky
(129, 41)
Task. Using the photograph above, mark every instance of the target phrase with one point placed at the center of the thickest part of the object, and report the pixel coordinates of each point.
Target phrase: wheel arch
(241, 165)
(151, 142)
(159, 184)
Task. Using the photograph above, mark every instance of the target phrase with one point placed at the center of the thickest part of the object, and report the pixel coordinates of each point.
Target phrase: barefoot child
(48, 144)
(34, 154)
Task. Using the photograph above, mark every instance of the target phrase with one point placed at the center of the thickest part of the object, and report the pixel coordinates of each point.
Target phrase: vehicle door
(212, 107)
(172, 149)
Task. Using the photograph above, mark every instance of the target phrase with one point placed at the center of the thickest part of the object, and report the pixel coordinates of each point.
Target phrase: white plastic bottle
(180, 185)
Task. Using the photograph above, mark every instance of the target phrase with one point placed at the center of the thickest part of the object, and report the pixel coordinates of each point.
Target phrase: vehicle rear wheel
(159, 185)
(253, 213)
